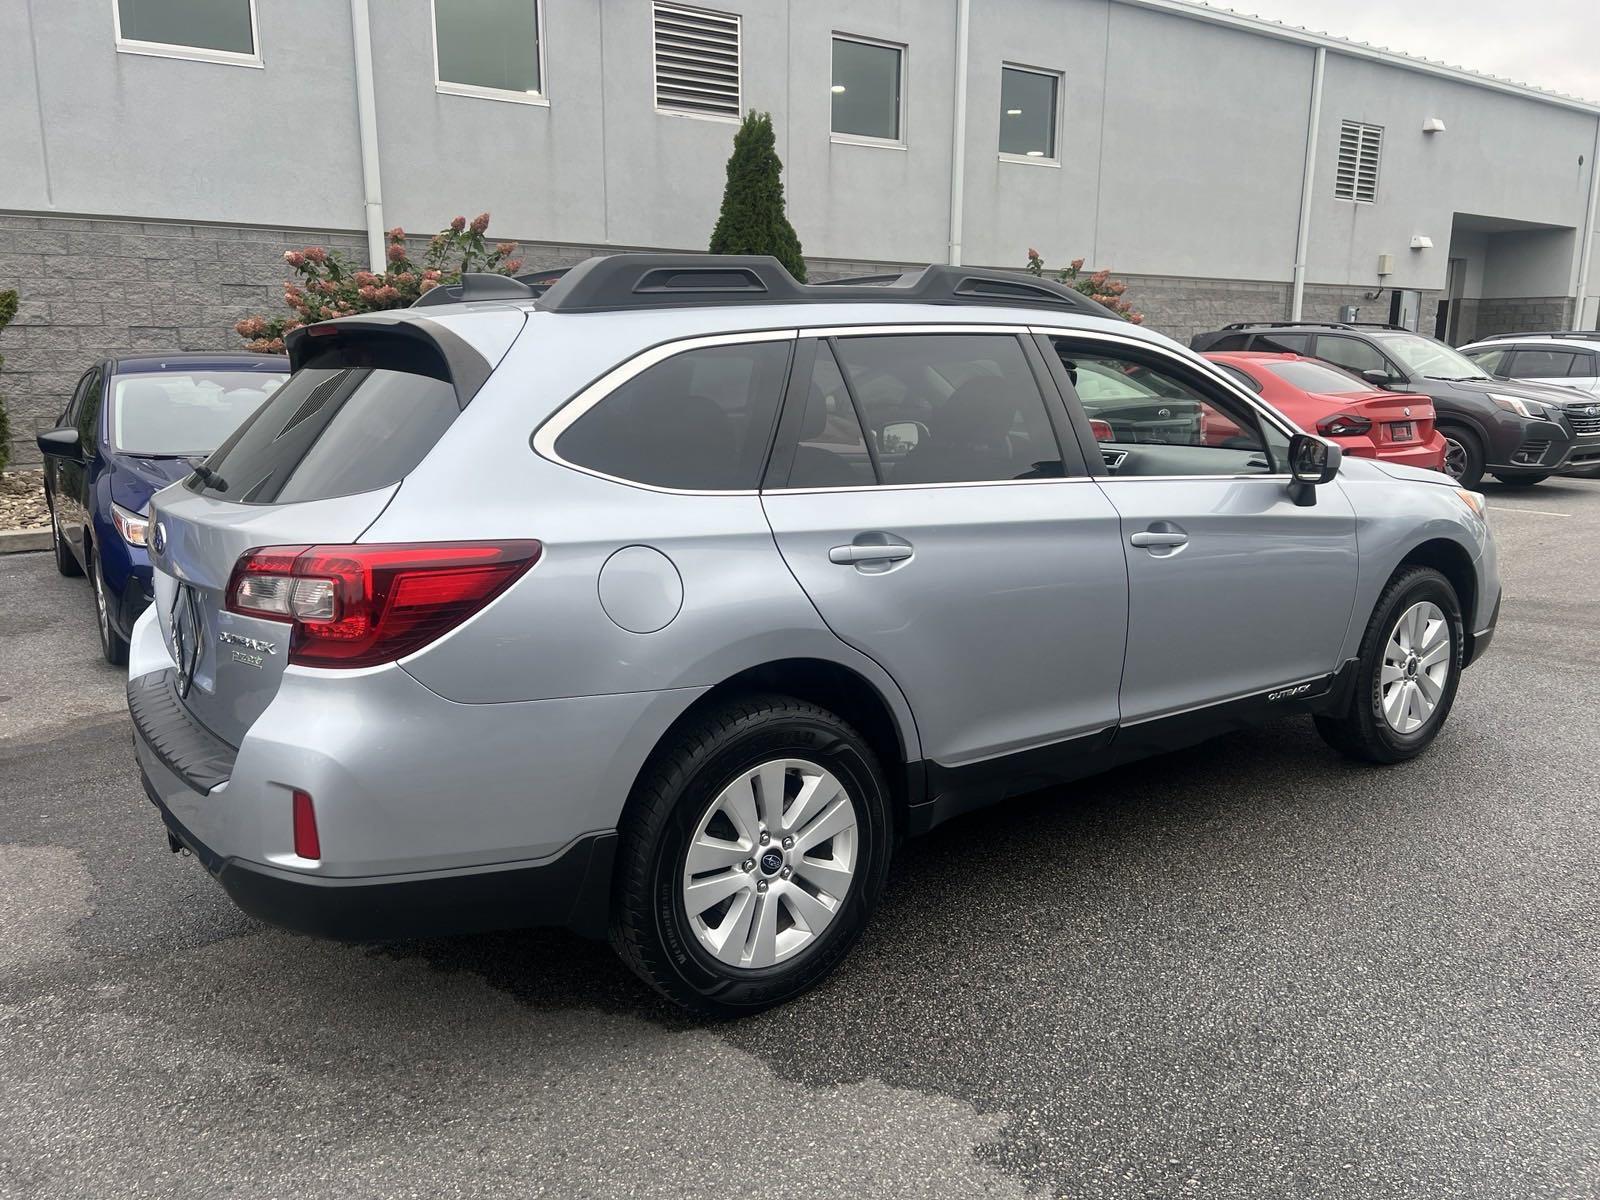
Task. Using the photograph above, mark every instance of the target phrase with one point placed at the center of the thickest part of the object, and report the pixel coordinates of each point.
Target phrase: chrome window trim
(546, 435)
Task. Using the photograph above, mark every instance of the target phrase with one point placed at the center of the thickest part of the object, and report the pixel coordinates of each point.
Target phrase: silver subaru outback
(662, 604)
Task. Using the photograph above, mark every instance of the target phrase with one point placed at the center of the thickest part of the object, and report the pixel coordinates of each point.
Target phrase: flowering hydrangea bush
(1099, 287)
(329, 286)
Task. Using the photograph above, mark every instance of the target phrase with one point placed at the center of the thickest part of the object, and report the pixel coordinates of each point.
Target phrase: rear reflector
(358, 606)
(306, 842)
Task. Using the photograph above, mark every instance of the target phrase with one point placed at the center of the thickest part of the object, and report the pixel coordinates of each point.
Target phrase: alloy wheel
(770, 863)
(1455, 458)
(1417, 660)
(101, 611)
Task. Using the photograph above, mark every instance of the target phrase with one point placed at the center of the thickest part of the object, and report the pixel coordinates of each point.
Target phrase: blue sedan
(134, 425)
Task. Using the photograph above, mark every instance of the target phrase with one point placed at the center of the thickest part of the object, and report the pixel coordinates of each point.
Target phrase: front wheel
(112, 644)
(1521, 478)
(753, 852)
(1463, 455)
(1407, 673)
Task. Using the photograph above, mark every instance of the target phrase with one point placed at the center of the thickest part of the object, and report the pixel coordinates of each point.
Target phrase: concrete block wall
(1482, 318)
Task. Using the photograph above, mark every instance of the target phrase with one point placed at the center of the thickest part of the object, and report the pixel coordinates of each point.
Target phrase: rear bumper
(571, 890)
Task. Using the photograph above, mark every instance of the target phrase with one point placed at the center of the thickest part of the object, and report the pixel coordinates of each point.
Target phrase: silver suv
(665, 603)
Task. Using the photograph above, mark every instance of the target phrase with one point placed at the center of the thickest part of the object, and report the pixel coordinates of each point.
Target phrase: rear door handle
(846, 555)
(1151, 537)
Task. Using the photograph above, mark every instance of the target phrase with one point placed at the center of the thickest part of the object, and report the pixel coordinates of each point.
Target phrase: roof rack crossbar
(476, 285)
(626, 281)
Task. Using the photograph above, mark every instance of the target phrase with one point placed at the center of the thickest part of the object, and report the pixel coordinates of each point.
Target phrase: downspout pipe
(958, 133)
(1308, 180)
(1587, 252)
(367, 122)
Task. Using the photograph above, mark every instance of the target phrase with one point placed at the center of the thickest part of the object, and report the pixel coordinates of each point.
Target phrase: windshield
(1432, 359)
(1318, 379)
(184, 413)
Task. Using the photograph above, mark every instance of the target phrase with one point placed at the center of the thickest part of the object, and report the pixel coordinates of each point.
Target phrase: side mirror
(900, 436)
(62, 442)
(1313, 461)
(1377, 378)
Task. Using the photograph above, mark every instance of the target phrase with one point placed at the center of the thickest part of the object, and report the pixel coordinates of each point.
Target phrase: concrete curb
(15, 541)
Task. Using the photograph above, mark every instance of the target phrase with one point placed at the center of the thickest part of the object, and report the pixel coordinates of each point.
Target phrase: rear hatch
(315, 465)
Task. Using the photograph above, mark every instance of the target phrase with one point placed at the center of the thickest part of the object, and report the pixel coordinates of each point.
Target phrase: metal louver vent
(697, 61)
(1360, 147)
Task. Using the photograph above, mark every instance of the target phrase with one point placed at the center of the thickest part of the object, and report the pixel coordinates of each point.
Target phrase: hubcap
(1416, 666)
(770, 863)
(1455, 458)
(102, 614)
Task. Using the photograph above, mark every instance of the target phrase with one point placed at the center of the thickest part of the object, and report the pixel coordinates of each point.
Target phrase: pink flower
(428, 285)
(316, 254)
(368, 293)
(294, 258)
(251, 327)
(388, 294)
(397, 253)
(458, 224)
(505, 248)
(365, 278)
(431, 274)
(1099, 277)
(1032, 253)
(1077, 264)
(512, 265)
(480, 223)
(397, 234)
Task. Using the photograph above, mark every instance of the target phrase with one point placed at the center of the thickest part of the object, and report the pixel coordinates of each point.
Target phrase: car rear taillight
(1102, 430)
(357, 606)
(1344, 425)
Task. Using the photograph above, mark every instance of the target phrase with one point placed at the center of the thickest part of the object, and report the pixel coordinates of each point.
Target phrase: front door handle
(1151, 537)
(847, 555)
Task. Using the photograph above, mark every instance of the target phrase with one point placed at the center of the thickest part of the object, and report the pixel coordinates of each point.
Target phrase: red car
(1394, 426)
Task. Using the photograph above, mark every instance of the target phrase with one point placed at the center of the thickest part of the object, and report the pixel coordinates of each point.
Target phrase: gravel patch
(22, 503)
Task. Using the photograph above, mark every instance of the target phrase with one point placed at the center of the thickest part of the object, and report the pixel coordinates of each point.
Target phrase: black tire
(65, 563)
(112, 644)
(1471, 457)
(1364, 733)
(1520, 478)
(650, 929)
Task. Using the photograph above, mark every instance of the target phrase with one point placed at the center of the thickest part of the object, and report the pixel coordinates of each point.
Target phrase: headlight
(1523, 408)
(133, 528)
(1476, 501)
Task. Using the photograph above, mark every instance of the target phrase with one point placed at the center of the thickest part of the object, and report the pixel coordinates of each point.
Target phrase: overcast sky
(1553, 44)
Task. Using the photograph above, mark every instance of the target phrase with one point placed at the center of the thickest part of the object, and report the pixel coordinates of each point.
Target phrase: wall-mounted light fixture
(1433, 125)
(1421, 241)
(1385, 265)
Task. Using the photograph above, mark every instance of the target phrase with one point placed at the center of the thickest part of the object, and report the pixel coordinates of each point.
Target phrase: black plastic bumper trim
(185, 747)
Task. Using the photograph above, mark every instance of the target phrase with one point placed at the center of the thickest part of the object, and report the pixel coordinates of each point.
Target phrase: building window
(697, 61)
(489, 48)
(1028, 113)
(210, 30)
(867, 95)
(1360, 147)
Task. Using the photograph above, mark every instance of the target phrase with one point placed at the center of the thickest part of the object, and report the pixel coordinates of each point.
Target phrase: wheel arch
(1452, 560)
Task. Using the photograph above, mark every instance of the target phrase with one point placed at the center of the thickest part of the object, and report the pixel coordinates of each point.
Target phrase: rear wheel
(1463, 455)
(65, 563)
(1407, 673)
(1521, 478)
(753, 852)
(112, 644)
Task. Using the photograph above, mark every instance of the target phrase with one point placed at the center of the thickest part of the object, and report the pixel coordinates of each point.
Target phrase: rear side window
(1282, 343)
(1541, 364)
(700, 421)
(331, 431)
(1229, 341)
(1351, 354)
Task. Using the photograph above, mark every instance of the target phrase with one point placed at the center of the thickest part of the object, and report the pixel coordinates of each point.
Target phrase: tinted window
(75, 405)
(331, 432)
(88, 418)
(950, 409)
(488, 44)
(1152, 420)
(1027, 113)
(1318, 379)
(1540, 364)
(1281, 343)
(830, 450)
(699, 421)
(206, 24)
(1491, 360)
(186, 413)
(1351, 354)
(866, 89)
(1228, 341)
(1243, 377)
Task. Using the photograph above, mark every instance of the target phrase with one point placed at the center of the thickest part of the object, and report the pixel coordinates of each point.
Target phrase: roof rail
(477, 285)
(1585, 335)
(628, 281)
(1315, 325)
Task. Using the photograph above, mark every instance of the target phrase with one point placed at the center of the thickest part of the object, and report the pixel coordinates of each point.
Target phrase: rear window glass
(700, 421)
(331, 431)
(187, 413)
(1318, 379)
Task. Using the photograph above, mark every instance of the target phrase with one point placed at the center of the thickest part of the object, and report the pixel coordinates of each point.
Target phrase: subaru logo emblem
(771, 862)
(158, 543)
(1592, 411)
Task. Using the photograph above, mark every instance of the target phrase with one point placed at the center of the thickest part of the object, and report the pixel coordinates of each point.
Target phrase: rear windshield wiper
(209, 477)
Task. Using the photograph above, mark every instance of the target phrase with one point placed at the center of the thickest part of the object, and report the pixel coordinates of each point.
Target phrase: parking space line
(1538, 512)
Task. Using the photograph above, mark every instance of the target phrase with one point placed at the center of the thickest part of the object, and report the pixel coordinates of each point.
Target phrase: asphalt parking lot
(1249, 969)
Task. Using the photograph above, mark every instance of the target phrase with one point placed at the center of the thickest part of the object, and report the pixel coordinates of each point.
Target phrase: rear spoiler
(381, 340)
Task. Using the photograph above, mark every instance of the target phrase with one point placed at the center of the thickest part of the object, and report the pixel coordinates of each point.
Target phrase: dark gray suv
(1520, 432)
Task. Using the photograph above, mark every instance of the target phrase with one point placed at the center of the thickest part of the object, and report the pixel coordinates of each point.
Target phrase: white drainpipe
(1307, 180)
(1587, 251)
(367, 118)
(958, 135)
